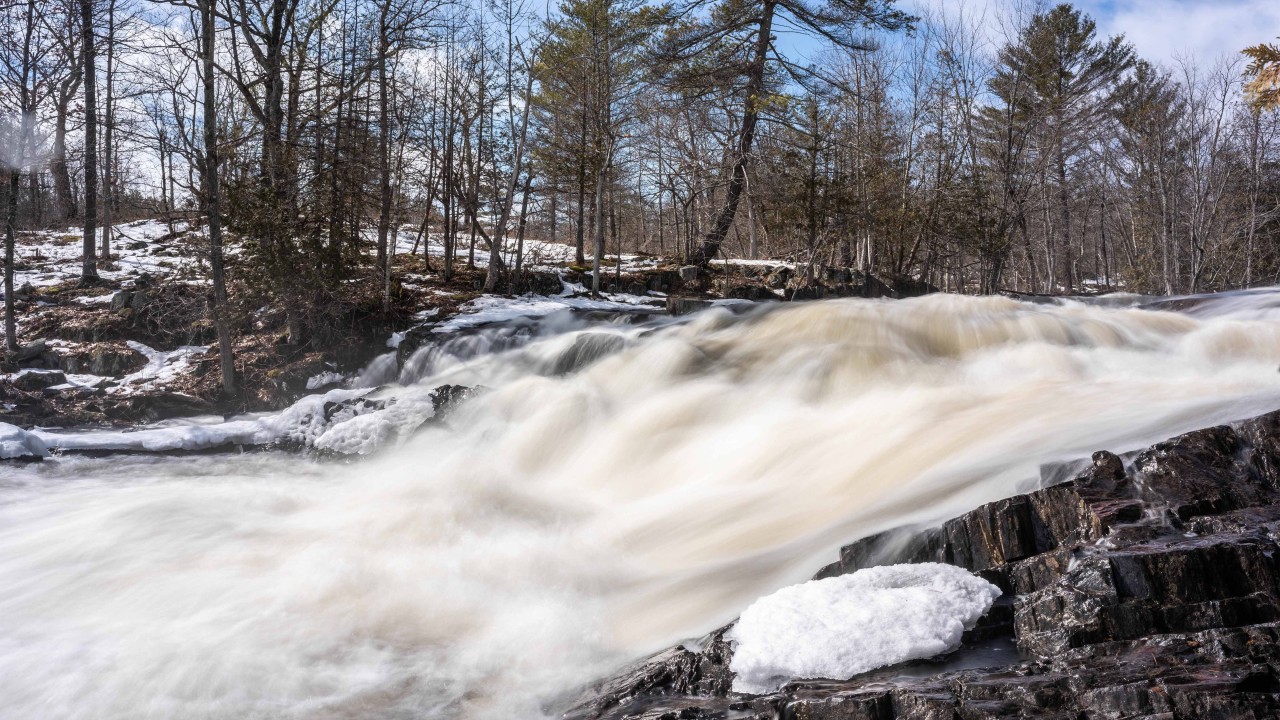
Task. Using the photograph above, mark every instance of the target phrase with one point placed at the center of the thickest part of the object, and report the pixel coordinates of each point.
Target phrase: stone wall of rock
(1145, 587)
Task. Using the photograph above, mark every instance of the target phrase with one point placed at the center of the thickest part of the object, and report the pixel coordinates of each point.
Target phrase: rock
(908, 287)
(543, 283)
(31, 350)
(25, 291)
(37, 354)
(1142, 589)
(121, 300)
(778, 278)
(336, 412)
(688, 274)
(812, 292)
(111, 360)
(684, 306)
(446, 398)
(35, 380)
(663, 281)
(750, 292)
(839, 275)
(157, 406)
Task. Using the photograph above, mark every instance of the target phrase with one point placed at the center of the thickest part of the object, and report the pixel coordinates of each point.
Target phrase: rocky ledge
(1146, 587)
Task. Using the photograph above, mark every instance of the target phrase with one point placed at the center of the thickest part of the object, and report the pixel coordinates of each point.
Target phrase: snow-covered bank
(305, 423)
(497, 308)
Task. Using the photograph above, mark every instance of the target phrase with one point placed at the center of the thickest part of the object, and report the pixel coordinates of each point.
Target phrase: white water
(567, 524)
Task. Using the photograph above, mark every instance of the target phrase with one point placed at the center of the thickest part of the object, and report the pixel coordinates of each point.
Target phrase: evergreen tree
(738, 36)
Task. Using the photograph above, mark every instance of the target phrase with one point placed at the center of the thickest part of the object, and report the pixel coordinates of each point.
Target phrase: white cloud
(1162, 30)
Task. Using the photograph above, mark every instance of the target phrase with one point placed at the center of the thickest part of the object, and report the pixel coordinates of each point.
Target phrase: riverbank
(1147, 585)
(137, 346)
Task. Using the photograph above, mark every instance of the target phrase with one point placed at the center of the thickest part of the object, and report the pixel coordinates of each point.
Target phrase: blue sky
(1162, 30)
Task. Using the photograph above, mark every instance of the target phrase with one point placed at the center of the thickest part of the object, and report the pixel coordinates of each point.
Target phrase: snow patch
(842, 626)
(325, 378)
(162, 366)
(496, 308)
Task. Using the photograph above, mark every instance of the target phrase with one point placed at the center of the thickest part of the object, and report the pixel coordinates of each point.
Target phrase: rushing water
(575, 517)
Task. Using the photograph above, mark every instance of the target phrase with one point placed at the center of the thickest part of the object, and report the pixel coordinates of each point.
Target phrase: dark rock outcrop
(36, 380)
(1146, 587)
(446, 398)
(107, 359)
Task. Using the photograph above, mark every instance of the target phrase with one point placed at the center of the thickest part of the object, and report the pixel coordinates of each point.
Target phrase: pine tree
(739, 34)
(1263, 87)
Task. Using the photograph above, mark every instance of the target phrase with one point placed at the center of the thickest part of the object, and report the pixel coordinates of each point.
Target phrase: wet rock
(1140, 588)
(336, 412)
(688, 274)
(446, 398)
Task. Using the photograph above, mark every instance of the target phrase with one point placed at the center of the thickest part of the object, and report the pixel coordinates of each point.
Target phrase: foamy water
(564, 524)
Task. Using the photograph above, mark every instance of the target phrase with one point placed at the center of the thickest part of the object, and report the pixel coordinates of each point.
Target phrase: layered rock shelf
(1146, 587)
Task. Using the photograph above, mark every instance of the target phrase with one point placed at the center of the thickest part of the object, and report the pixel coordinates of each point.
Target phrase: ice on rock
(18, 443)
(842, 626)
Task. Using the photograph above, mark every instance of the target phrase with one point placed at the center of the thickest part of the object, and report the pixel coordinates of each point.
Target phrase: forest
(1038, 157)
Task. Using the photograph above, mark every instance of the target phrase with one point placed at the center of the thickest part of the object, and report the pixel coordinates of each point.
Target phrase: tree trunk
(108, 141)
(213, 204)
(711, 242)
(89, 268)
(384, 143)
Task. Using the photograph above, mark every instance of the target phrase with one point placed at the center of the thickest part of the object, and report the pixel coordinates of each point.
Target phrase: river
(574, 517)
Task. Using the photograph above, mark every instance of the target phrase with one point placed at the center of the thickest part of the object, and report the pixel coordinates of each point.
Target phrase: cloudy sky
(1163, 29)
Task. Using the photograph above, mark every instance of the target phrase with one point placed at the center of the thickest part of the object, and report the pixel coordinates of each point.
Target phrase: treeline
(976, 154)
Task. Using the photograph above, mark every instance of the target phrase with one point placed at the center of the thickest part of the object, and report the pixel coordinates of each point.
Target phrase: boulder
(121, 300)
(446, 398)
(684, 306)
(750, 292)
(778, 278)
(38, 354)
(110, 360)
(37, 380)
(688, 274)
(157, 406)
(812, 292)
(543, 283)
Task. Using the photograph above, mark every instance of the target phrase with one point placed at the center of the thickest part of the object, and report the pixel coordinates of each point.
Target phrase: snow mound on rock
(842, 626)
(18, 443)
